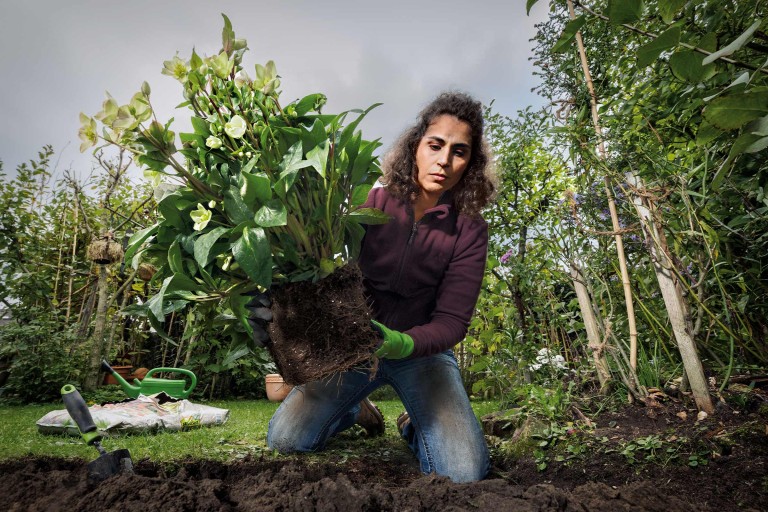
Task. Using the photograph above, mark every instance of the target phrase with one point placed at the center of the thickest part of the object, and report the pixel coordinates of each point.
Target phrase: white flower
(176, 68)
(87, 132)
(235, 128)
(201, 217)
(547, 357)
(154, 176)
(213, 142)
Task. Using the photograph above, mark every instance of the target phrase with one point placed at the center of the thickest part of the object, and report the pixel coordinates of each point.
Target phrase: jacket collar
(443, 207)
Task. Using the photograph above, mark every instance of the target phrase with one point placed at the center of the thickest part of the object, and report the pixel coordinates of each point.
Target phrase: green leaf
(256, 189)
(369, 216)
(227, 35)
(204, 244)
(253, 253)
(200, 126)
(706, 133)
(668, 9)
(528, 5)
(272, 214)
(686, 65)
(759, 126)
(138, 239)
(318, 157)
(285, 183)
(649, 52)
(734, 45)
(175, 261)
(744, 143)
(314, 135)
(234, 354)
(237, 210)
(293, 161)
(170, 208)
(349, 130)
(364, 163)
(309, 103)
(569, 32)
(733, 111)
(155, 304)
(625, 11)
(360, 194)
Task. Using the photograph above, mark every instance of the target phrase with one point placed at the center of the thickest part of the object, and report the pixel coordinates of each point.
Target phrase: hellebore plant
(265, 194)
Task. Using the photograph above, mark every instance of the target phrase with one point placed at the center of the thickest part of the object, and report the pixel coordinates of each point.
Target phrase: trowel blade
(108, 464)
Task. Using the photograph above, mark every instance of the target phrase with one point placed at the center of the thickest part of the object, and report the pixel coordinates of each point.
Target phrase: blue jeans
(444, 432)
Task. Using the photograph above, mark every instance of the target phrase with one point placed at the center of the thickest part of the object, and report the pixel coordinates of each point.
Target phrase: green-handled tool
(108, 464)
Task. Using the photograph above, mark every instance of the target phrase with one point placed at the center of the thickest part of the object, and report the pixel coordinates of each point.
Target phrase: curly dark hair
(477, 185)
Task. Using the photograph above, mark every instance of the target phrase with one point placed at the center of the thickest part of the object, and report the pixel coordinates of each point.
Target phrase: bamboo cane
(611, 203)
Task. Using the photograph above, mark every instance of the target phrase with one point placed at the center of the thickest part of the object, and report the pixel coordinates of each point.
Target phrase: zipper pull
(413, 232)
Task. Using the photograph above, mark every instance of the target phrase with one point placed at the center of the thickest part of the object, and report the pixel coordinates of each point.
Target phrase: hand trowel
(108, 463)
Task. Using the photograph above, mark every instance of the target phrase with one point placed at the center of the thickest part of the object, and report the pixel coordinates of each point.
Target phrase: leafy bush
(42, 357)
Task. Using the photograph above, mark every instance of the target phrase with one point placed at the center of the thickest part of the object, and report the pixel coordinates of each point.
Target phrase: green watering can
(151, 385)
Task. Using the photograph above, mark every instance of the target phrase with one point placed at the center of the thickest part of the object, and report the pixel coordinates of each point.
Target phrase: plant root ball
(321, 328)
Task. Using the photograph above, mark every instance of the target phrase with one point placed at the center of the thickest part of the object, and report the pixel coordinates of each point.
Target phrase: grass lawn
(243, 434)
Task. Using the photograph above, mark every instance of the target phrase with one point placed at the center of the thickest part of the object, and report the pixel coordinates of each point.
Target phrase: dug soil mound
(54, 484)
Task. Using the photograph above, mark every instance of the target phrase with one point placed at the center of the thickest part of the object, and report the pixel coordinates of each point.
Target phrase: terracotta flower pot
(277, 389)
(123, 371)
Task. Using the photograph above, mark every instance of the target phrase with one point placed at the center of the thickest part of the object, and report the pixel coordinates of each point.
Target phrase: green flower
(201, 217)
(213, 142)
(266, 78)
(108, 111)
(242, 79)
(221, 65)
(176, 68)
(235, 128)
(129, 116)
(87, 132)
(154, 176)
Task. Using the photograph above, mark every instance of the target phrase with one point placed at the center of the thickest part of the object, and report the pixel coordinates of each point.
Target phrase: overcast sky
(59, 57)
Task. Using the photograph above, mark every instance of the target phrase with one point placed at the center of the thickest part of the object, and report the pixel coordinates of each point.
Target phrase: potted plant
(276, 387)
(260, 196)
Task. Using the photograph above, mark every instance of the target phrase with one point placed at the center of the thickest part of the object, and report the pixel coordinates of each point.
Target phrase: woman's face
(443, 155)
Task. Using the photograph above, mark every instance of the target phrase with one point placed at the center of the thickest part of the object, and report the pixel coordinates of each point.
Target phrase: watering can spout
(132, 391)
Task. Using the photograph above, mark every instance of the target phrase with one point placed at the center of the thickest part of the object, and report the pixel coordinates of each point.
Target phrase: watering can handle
(192, 377)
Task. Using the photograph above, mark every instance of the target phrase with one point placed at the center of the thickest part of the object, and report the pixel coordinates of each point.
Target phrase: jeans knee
(468, 470)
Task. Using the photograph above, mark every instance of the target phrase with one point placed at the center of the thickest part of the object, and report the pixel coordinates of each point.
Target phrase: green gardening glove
(396, 345)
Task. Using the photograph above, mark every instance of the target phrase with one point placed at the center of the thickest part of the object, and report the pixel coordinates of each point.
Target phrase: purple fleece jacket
(423, 278)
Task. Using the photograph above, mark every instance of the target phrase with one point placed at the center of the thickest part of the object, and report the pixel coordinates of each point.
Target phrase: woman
(422, 273)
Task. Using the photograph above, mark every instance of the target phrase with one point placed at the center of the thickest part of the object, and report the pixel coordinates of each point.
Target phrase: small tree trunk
(72, 264)
(86, 309)
(97, 346)
(673, 300)
(595, 346)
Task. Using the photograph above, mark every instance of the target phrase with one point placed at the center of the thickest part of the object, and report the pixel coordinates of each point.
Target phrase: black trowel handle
(77, 408)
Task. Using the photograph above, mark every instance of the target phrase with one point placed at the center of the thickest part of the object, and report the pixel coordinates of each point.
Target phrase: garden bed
(730, 473)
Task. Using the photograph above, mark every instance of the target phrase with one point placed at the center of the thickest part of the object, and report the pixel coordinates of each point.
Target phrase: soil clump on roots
(321, 328)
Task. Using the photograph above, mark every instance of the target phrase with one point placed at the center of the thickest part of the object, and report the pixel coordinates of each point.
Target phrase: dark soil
(321, 328)
(733, 443)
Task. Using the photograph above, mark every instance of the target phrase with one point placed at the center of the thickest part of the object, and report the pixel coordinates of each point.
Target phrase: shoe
(370, 418)
(402, 421)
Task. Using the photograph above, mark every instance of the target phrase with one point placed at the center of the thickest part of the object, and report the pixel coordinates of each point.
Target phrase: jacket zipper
(408, 244)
